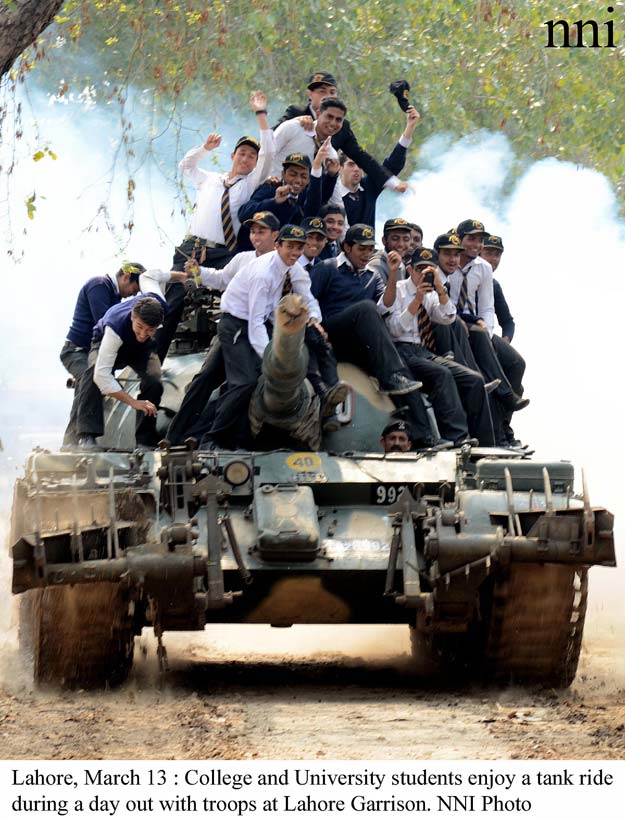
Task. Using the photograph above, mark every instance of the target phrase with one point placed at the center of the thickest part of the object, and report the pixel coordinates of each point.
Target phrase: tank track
(536, 624)
(78, 636)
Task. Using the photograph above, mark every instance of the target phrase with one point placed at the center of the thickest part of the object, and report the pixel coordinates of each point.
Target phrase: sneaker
(87, 443)
(334, 395)
(397, 384)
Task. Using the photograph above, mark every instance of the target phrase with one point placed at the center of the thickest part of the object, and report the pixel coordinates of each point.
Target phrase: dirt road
(245, 692)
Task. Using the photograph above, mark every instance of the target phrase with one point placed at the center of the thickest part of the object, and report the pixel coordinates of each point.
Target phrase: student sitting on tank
(457, 393)
(512, 362)
(396, 437)
(472, 349)
(197, 412)
(352, 301)
(123, 337)
(248, 305)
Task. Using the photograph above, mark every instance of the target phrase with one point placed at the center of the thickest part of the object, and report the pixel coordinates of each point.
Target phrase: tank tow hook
(405, 511)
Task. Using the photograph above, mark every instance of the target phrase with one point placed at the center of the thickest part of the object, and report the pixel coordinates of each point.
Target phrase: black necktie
(230, 239)
(426, 331)
(287, 287)
(463, 298)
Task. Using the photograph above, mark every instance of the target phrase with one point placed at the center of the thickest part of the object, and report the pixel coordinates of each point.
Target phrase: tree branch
(21, 22)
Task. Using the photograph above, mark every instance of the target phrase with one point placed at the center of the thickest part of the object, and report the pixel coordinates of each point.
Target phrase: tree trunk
(21, 22)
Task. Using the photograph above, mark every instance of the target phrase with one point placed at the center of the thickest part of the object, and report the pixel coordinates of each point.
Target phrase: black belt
(208, 243)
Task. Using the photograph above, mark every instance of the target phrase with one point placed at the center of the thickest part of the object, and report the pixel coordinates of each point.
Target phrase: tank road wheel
(536, 624)
(79, 636)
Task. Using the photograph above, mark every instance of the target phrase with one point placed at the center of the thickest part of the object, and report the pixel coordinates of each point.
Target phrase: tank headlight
(236, 473)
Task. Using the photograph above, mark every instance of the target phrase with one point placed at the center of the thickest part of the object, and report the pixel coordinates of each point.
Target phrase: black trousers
(439, 384)
(193, 247)
(192, 419)
(242, 363)
(196, 416)
(472, 348)
(513, 365)
(74, 360)
(90, 415)
(322, 372)
(457, 394)
(359, 335)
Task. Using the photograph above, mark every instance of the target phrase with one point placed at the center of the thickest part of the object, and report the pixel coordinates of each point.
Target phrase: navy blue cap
(360, 234)
(314, 224)
(493, 242)
(450, 239)
(321, 78)
(265, 218)
(424, 256)
(470, 226)
(293, 232)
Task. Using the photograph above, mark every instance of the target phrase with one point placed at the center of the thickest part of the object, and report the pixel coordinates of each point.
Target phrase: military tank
(482, 553)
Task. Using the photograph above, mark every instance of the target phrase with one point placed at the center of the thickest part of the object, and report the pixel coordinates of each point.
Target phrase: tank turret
(284, 398)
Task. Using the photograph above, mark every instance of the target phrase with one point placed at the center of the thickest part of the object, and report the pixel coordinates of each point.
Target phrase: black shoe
(460, 442)
(333, 396)
(397, 385)
(87, 443)
(515, 444)
(433, 444)
(520, 403)
(490, 386)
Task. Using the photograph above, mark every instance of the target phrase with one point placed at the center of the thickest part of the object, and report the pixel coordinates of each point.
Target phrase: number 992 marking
(388, 493)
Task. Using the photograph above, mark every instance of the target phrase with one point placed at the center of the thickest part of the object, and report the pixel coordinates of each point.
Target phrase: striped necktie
(426, 331)
(287, 287)
(463, 298)
(230, 239)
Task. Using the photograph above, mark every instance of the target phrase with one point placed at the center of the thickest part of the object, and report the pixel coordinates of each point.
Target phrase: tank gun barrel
(283, 397)
(286, 358)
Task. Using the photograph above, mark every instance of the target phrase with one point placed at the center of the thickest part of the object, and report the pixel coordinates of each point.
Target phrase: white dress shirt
(149, 282)
(152, 281)
(291, 138)
(220, 279)
(304, 260)
(403, 325)
(481, 297)
(206, 217)
(255, 291)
